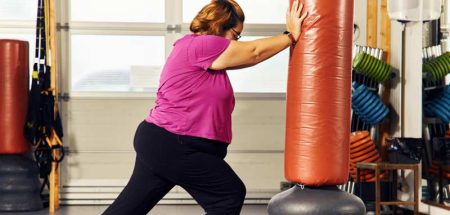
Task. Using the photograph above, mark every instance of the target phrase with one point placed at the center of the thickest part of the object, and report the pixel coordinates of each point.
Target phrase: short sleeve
(207, 48)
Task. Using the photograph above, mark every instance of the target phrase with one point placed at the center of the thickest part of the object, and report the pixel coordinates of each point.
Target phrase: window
(269, 76)
(116, 46)
(150, 11)
(256, 11)
(19, 10)
(191, 8)
(264, 11)
(116, 63)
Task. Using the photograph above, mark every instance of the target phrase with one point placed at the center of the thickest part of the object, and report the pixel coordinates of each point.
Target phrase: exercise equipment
(19, 184)
(318, 97)
(440, 106)
(438, 67)
(362, 149)
(367, 105)
(43, 126)
(14, 73)
(372, 67)
(357, 123)
(315, 200)
(318, 114)
(434, 170)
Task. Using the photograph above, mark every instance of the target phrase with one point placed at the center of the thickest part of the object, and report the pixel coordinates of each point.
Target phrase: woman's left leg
(204, 174)
(213, 184)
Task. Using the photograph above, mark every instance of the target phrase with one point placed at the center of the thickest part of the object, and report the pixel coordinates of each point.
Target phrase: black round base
(315, 200)
(19, 184)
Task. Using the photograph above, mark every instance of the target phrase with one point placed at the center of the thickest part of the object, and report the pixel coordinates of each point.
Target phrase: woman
(184, 139)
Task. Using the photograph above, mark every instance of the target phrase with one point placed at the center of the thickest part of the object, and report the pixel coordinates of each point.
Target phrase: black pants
(196, 164)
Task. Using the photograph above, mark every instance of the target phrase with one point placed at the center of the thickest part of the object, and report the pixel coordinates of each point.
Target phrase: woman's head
(220, 17)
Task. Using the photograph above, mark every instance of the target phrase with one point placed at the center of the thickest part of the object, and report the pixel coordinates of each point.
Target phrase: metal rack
(357, 124)
(432, 127)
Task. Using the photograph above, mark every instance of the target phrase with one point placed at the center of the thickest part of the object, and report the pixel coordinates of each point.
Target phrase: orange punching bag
(318, 115)
(14, 75)
(318, 96)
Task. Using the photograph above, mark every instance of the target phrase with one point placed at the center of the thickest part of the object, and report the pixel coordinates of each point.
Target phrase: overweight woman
(183, 140)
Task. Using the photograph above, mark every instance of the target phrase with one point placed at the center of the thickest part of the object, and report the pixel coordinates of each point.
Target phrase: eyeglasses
(237, 35)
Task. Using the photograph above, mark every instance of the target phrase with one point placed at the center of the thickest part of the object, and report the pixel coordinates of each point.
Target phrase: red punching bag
(318, 96)
(14, 75)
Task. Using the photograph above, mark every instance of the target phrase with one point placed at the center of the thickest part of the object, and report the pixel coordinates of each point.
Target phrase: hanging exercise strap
(43, 125)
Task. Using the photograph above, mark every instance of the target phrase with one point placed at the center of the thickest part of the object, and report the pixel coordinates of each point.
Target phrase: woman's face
(235, 33)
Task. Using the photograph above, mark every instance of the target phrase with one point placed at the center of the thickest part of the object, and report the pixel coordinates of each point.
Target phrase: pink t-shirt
(192, 99)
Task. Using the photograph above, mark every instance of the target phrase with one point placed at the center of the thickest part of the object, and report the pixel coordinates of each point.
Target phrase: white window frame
(173, 17)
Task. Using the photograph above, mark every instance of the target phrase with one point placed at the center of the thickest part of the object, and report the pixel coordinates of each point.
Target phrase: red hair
(217, 17)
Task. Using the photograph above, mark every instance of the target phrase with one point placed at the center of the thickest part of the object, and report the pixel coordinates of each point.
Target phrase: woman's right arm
(246, 54)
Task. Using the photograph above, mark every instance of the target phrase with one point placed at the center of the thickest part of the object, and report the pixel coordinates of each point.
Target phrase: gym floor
(157, 210)
(168, 209)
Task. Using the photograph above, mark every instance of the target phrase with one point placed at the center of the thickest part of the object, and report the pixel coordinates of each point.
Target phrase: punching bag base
(315, 200)
(19, 184)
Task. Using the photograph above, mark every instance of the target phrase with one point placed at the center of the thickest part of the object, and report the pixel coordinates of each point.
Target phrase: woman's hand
(294, 19)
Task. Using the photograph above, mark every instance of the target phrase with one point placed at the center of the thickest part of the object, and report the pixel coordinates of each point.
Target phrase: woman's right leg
(146, 187)
(141, 194)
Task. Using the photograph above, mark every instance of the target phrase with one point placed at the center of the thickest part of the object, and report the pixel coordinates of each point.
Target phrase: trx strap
(43, 127)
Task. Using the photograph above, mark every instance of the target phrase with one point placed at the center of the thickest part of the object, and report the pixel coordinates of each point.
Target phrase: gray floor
(157, 210)
(168, 209)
